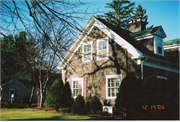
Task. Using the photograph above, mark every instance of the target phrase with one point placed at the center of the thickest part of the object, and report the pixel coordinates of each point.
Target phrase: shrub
(102, 113)
(95, 105)
(66, 110)
(55, 97)
(67, 95)
(78, 106)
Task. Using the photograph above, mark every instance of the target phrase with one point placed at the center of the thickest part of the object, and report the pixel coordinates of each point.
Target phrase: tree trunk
(41, 95)
(32, 92)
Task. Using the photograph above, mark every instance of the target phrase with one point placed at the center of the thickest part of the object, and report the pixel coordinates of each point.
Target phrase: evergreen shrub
(55, 97)
(95, 105)
(78, 106)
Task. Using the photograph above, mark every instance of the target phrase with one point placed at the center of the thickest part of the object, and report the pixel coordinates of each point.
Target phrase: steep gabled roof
(13, 80)
(123, 37)
(144, 32)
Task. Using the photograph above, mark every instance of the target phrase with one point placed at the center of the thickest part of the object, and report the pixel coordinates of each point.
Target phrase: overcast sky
(164, 13)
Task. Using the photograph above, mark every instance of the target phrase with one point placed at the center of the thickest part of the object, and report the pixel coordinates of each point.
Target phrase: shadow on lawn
(51, 118)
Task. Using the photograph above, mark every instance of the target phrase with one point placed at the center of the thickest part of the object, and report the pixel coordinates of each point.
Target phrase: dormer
(151, 38)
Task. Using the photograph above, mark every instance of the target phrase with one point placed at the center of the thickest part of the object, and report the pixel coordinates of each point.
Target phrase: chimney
(138, 25)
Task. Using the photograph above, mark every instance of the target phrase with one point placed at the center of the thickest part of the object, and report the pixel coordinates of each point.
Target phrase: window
(87, 51)
(112, 85)
(11, 91)
(77, 86)
(159, 46)
(102, 49)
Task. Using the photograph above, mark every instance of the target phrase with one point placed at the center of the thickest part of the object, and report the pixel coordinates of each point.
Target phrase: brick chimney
(138, 25)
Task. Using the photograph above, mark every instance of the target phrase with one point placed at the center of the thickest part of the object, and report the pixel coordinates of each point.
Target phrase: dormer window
(102, 49)
(159, 46)
(87, 51)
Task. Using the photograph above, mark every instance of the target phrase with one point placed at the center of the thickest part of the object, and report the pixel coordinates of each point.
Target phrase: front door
(12, 94)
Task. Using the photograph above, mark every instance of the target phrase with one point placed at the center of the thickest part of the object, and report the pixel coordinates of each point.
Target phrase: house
(22, 86)
(103, 54)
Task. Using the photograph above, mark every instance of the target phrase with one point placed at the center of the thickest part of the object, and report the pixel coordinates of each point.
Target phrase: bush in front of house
(67, 95)
(102, 113)
(95, 105)
(55, 97)
(78, 106)
(66, 110)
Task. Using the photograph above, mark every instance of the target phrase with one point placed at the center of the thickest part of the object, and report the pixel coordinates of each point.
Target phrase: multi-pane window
(159, 46)
(77, 87)
(87, 51)
(113, 86)
(102, 49)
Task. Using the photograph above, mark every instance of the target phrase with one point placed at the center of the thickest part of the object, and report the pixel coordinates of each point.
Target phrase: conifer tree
(140, 13)
(122, 13)
(55, 98)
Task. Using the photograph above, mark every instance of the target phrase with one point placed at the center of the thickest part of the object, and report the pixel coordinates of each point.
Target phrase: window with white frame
(112, 85)
(159, 46)
(87, 51)
(102, 49)
(11, 91)
(77, 86)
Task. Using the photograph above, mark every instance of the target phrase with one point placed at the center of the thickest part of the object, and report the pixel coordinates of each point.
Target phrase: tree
(55, 98)
(56, 21)
(140, 13)
(122, 13)
(15, 53)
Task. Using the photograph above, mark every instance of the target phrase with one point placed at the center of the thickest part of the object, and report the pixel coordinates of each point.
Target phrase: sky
(162, 12)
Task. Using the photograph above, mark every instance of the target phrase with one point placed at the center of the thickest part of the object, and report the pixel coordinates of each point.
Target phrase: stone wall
(119, 62)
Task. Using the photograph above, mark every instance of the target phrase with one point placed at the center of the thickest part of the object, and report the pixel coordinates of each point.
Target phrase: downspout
(142, 68)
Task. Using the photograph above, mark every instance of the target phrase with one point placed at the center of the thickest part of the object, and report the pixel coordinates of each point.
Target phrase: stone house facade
(103, 54)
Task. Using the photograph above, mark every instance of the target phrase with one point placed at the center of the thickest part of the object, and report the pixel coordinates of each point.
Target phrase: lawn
(34, 114)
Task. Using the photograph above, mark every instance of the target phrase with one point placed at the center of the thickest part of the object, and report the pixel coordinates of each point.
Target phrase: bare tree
(56, 23)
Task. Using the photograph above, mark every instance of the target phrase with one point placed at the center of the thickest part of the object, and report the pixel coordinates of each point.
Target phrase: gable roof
(12, 80)
(171, 42)
(123, 37)
(156, 30)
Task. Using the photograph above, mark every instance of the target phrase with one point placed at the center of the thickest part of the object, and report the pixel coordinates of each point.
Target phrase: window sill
(98, 59)
(86, 61)
(110, 97)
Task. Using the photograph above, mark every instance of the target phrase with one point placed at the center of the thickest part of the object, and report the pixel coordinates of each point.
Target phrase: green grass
(34, 114)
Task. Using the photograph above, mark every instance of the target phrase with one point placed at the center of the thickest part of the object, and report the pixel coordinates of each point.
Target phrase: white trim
(148, 36)
(112, 76)
(161, 77)
(107, 47)
(81, 79)
(118, 39)
(84, 44)
(161, 67)
(77, 39)
(155, 46)
(171, 46)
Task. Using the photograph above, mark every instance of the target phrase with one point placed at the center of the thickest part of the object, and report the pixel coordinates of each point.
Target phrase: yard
(35, 114)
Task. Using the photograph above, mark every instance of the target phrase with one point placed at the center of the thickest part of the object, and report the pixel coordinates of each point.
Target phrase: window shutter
(70, 83)
(123, 76)
(84, 87)
(103, 89)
